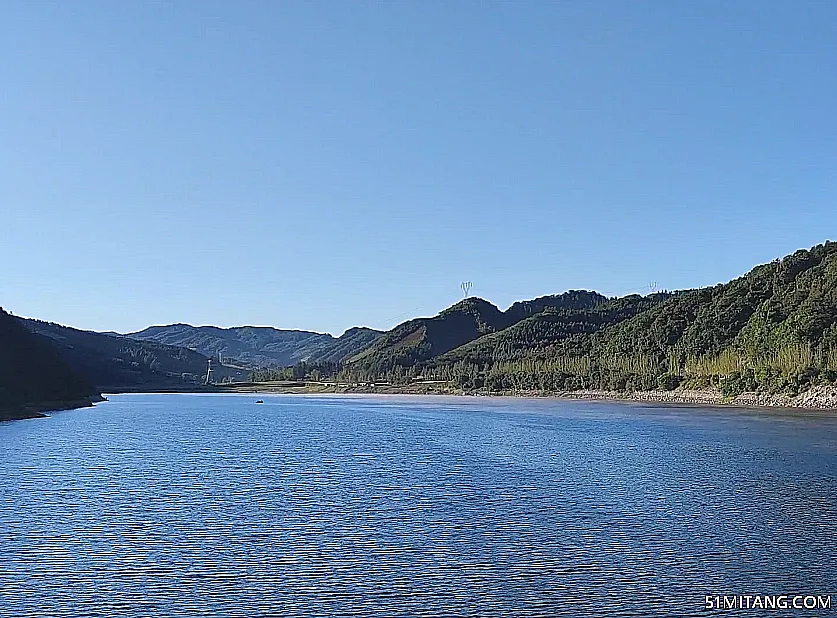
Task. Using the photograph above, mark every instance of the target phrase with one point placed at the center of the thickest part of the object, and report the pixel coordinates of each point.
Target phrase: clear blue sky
(320, 165)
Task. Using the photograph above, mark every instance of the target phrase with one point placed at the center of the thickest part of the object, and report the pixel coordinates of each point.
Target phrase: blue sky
(320, 165)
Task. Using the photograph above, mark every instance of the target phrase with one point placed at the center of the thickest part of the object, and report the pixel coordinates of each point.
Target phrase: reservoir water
(211, 505)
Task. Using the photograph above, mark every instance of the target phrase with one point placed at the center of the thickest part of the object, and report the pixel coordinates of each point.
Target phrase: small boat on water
(259, 401)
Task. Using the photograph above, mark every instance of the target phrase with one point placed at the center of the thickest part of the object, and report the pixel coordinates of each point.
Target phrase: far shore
(818, 398)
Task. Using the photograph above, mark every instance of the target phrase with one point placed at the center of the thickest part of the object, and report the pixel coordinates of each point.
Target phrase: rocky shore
(818, 398)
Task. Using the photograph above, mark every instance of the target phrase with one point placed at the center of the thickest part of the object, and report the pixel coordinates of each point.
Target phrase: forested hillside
(774, 330)
(472, 319)
(548, 327)
(114, 362)
(771, 330)
(33, 376)
(422, 338)
(572, 300)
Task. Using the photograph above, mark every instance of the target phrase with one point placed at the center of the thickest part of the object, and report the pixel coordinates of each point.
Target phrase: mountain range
(260, 346)
(773, 329)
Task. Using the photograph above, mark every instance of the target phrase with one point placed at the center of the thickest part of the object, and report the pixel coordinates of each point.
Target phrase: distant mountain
(261, 346)
(422, 339)
(115, 362)
(33, 375)
(347, 345)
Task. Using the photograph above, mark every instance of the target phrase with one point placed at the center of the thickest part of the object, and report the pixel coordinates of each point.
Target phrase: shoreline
(817, 398)
(822, 398)
(38, 410)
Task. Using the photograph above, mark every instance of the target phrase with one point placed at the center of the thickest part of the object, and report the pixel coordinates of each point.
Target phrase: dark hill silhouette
(33, 375)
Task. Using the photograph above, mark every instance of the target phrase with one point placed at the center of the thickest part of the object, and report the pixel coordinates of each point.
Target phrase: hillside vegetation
(33, 376)
(772, 330)
(420, 339)
(473, 319)
(114, 362)
(551, 325)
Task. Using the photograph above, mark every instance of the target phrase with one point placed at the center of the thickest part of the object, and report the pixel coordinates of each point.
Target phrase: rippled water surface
(190, 505)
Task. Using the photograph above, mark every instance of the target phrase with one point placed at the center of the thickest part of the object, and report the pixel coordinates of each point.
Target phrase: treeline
(790, 369)
(300, 371)
(336, 372)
